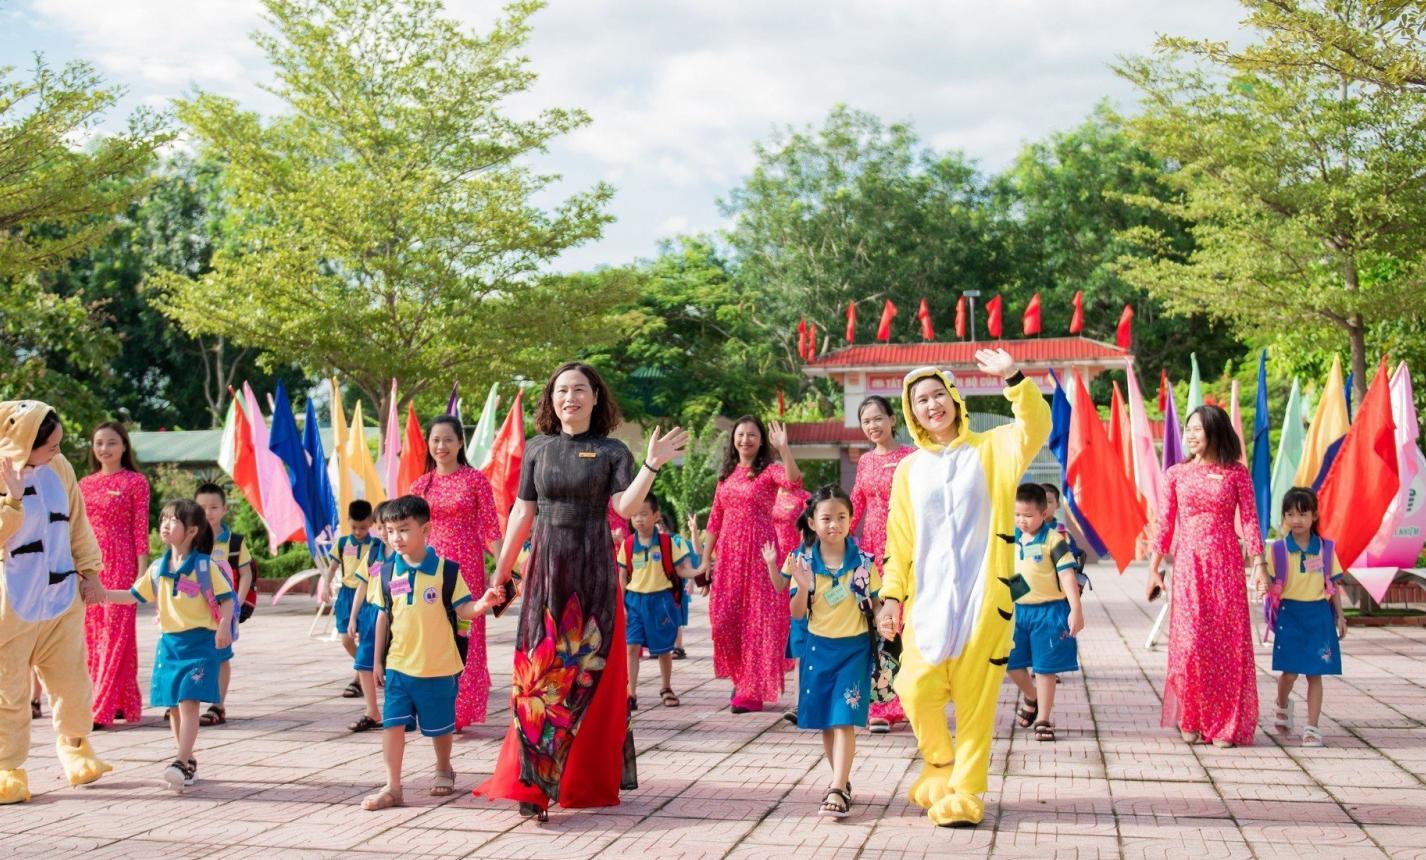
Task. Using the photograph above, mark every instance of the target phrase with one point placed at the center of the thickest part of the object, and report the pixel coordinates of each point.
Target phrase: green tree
(1304, 190)
(385, 223)
(859, 211)
(689, 346)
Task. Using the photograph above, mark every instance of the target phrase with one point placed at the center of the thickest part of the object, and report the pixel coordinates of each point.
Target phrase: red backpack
(665, 555)
(235, 550)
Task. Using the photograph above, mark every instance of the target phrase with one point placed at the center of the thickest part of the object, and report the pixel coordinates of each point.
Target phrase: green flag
(1195, 386)
(1289, 453)
(478, 450)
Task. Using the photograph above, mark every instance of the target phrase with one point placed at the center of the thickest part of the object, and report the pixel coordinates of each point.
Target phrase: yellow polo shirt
(369, 574)
(647, 575)
(423, 644)
(181, 604)
(1304, 580)
(353, 555)
(844, 618)
(1034, 560)
(220, 550)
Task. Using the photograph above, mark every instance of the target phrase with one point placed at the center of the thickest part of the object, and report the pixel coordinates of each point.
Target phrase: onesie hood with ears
(19, 422)
(918, 433)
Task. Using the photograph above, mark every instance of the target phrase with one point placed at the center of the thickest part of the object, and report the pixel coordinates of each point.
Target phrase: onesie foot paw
(14, 786)
(81, 766)
(957, 809)
(933, 784)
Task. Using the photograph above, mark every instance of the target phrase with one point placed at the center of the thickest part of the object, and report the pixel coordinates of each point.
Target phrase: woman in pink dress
(748, 616)
(464, 527)
(871, 497)
(116, 496)
(1210, 692)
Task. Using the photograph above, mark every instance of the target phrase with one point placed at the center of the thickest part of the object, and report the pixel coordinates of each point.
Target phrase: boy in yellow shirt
(654, 567)
(1047, 617)
(416, 658)
(352, 553)
(231, 547)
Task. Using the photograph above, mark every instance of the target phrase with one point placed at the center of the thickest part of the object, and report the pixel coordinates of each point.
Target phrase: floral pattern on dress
(118, 508)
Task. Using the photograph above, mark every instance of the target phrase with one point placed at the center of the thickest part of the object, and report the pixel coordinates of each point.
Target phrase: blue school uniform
(186, 660)
(694, 560)
(837, 653)
(369, 593)
(1305, 633)
(353, 555)
(1042, 640)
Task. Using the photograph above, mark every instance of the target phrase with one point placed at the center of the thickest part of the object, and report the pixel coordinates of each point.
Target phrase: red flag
(1163, 391)
(802, 339)
(961, 318)
(1105, 495)
(883, 328)
(811, 341)
(993, 311)
(506, 455)
(781, 403)
(851, 322)
(245, 457)
(1032, 316)
(1077, 319)
(1125, 335)
(1365, 477)
(924, 315)
(412, 464)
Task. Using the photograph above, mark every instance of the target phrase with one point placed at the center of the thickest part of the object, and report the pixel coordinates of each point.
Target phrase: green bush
(293, 560)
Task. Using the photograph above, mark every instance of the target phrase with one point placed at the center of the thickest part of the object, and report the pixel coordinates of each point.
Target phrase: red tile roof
(828, 432)
(1044, 351)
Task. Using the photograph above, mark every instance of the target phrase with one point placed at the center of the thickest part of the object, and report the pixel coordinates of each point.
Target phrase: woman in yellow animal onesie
(50, 557)
(947, 577)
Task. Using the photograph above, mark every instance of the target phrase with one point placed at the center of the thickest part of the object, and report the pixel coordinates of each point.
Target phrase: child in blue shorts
(416, 659)
(360, 636)
(1047, 617)
(654, 568)
(351, 553)
(690, 546)
(229, 545)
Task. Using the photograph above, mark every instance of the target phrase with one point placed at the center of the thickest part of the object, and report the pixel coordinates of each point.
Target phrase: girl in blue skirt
(195, 615)
(1304, 611)
(833, 587)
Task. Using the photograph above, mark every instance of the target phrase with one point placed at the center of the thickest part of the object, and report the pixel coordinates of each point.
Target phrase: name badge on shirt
(349, 551)
(400, 587)
(1314, 564)
(588, 455)
(836, 594)
(188, 587)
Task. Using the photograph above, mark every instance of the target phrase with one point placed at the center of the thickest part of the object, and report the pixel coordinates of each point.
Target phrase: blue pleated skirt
(185, 668)
(834, 682)
(1305, 639)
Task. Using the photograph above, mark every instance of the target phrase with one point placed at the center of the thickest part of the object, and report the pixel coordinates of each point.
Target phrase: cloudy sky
(680, 89)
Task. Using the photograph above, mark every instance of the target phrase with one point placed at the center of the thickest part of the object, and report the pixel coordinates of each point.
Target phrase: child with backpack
(1303, 609)
(365, 603)
(654, 567)
(415, 657)
(351, 554)
(229, 545)
(195, 603)
(834, 586)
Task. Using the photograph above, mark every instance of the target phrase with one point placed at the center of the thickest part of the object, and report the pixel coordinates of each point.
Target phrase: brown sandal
(216, 715)
(1044, 731)
(1025, 714)
(35, 712)
(668, 697)
(384, 799)
(444, 783)
(365, 724)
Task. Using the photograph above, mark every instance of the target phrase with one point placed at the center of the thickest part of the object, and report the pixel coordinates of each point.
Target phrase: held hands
(1262, 584)
(664, 447)
(996, 362)
(92, 592)
(888, 620)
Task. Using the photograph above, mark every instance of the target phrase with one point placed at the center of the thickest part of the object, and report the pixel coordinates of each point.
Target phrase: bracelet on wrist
(650, 468)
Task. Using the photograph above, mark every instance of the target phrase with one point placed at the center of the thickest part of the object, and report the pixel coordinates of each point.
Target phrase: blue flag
(1262, 455)
(1060, 415)
(312, 444)
(284, 441)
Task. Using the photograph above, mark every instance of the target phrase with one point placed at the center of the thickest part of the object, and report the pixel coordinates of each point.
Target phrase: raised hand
(995, 362)
(801, 573)
(777, 435)
(10, 478)
(663, 448)
(769, 552)
(693, 527)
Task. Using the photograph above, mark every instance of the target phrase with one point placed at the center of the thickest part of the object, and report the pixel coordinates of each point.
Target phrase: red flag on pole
(1105, 495)
(1120, 435)
(781, 403)
(811, 341)
(412, 464)
(245, 457)
(994, 316)
(851, 322)
(1077, 318)
(924, 315)
(961, 318)
(1125, 334)
(802, 339)
(883, 328)
(1032, 316)
(1163, 391)
(1365, 477)
(506, 455)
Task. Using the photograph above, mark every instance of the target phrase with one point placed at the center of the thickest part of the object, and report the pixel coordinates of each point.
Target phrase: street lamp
(972, 295)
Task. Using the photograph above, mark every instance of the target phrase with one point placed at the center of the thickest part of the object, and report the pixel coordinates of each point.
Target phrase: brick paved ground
(282, 779)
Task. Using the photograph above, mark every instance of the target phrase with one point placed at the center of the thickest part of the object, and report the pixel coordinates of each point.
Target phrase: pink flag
(1147, 476)
(280, 512)
(391, 449)
(1238, 426)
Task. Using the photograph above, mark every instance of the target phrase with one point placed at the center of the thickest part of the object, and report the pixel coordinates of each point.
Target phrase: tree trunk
(1357, 337)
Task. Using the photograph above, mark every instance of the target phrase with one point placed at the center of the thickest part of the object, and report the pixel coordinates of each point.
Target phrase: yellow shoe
(957, 809)
(933, 784)
(14, 786)
(81, 766)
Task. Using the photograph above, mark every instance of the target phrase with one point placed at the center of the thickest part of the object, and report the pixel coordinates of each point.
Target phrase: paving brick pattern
(283, 778)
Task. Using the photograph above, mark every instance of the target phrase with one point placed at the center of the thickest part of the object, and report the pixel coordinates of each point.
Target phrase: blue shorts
(1042, 639)
(342, 608)
(652, 620)
(185, 668)
(366, 637)
(427, 703)
(1305, 639)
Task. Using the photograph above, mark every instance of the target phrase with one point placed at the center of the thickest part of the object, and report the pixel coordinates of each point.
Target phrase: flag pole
(971, 294)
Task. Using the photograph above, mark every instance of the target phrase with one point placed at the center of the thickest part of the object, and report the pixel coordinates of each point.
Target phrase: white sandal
(1283, 718)
(1312, 737)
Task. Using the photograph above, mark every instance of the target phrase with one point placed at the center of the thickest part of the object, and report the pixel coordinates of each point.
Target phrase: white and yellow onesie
(46, 546)
(951, 575)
